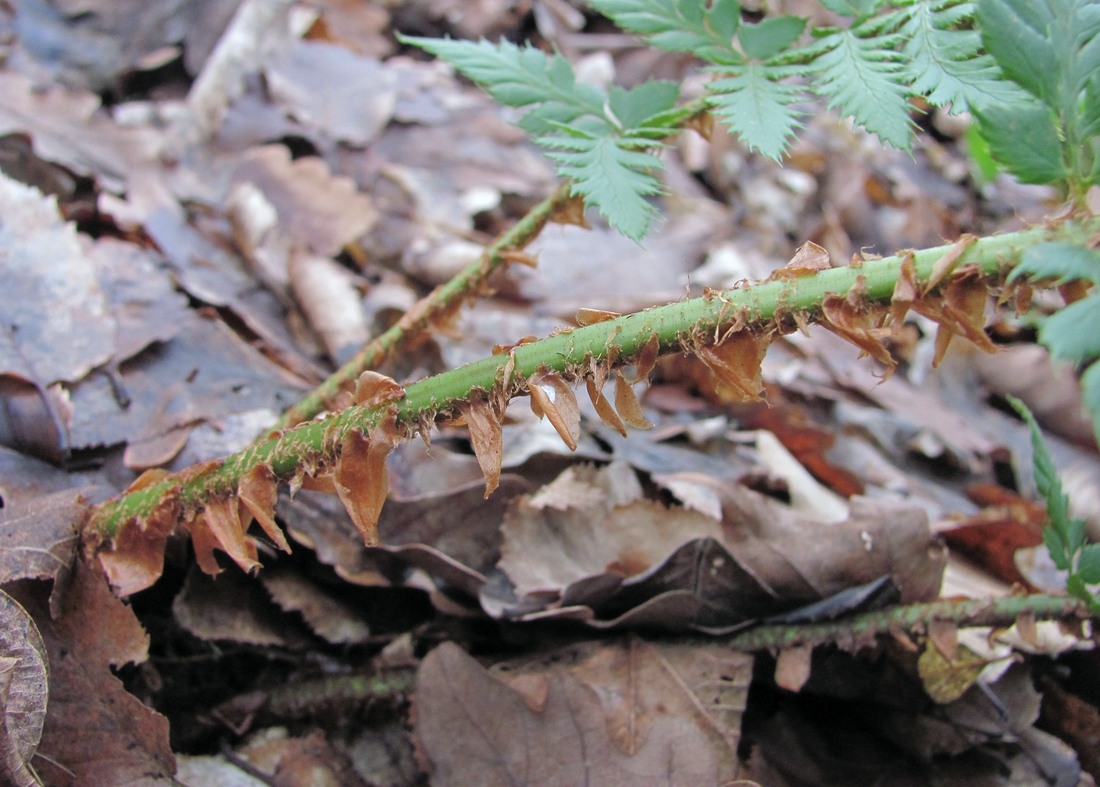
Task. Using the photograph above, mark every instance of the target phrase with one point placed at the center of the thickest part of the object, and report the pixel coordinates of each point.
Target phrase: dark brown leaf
(486, 439)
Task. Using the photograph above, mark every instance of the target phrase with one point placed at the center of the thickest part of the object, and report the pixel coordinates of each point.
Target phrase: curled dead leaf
(362, 481)
(204, 543)
(943, 267)
(258, 492)
(135, 558)
(807, 260)
(603, 407)
(626, 402)
(486, 438)
(855, 320)
(571, 211)
(223, 518)
(960, 311)
(552, 397)
(735, 364)
(906, 291)
(373, 389)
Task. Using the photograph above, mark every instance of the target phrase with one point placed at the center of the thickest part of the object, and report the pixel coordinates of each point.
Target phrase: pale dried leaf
(486, 437)
(603, 407)
(627, 404)
(330, 300)
(23, 676)
(551, 396)
(807, 260)
(325, 614)
(362, 481)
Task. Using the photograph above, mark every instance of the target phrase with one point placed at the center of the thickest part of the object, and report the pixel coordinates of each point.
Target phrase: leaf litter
(213, 280)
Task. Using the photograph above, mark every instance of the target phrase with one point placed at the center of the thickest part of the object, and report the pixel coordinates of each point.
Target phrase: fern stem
(681, 325)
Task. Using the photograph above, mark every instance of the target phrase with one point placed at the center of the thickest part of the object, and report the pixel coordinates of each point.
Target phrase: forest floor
(188, 245)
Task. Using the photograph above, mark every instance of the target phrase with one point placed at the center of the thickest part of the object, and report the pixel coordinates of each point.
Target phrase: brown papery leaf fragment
(906, 291)
(587, 316)
(856, 321)
(807, 260)
(223, 517)
(486, 438)
(362, 481)
(961, 311)
(204, 543)
(945, 264)
(551, 395)
(571, 212)
(626, 402)
(735, 364)
(647, 359)
(135, 558)
(258, 492)
(603, 407)
(373, 389)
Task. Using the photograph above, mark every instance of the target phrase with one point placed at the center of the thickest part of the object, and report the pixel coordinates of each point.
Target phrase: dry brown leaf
(906, 291)
(316, 209)
(807, 260)
(373, 389)
(134, 559)
(258, 492)
(223, 517)
(96, 732)
(204, 542)
(23, 674)
(323, 612)
(362, 481)
(603, 407)
(486, 438)
(944, 636)
(476, 729)
(552, 397)
(856, 321)
(627, 404)
(735, 364)
(571, 212)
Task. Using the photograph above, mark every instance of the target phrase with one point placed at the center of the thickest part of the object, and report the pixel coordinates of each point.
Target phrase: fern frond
(758, 107)
(862, 76)
(943, 56)
(680, 25)
(613, 174)
(520, 77)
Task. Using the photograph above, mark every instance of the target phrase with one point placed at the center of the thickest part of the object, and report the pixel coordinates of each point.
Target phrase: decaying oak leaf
(626, 402)
(223, 518)
(362, 481)
(258, 492)
(373, 389)
(135, 558)
(807, 260)
(23, 674)
(735, 364)
(486, 438)
(603, 407)
(552, 397)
